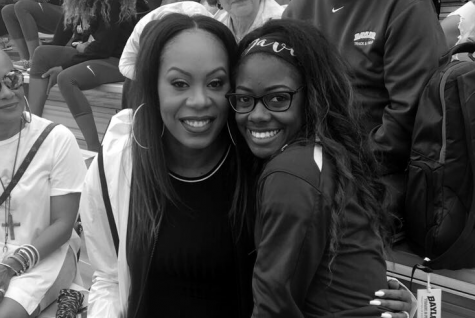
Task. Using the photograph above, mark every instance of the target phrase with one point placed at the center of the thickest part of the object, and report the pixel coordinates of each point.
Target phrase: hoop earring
(219, 6)
(133, 124)
(29, 110)
(230, 134)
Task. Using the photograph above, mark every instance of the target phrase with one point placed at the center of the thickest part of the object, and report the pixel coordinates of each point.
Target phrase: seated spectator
(4, 37)
(99, 32)
(244, 16)
(38, 244)
(459, 26)
(23, 21)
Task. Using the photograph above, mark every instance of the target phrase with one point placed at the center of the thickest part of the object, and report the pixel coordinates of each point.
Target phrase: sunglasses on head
(13, 80)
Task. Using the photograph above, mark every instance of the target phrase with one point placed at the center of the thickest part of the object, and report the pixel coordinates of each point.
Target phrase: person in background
(4, 37)
(459, 27)
(320, 229)
(392, 53)
(24, 20)
(241, 17)
(38, 244)
(99, 30)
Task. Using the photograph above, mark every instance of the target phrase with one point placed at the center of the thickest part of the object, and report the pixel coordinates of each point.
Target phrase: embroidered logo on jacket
(364, 38)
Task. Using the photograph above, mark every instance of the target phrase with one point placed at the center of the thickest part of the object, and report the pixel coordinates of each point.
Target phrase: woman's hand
(52, 74)
(6, 274)
(397, 300)
(81, 47)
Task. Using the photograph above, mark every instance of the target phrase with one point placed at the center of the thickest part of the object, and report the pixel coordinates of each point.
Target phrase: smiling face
(266, 131)
(240, 8)
(192, 82)
(11, 101)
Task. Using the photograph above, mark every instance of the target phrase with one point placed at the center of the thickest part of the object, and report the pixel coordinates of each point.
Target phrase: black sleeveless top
(193, 271)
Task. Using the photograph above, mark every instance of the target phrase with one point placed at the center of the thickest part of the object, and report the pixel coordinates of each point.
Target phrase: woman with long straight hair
(175, 183)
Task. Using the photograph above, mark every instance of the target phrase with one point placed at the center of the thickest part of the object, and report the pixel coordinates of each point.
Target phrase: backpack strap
(107, 202)
(466, 47)
(465, 243)
(26, 162)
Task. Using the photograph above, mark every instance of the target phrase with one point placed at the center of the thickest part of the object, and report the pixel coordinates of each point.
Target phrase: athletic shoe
(22, 64)
(5, 46)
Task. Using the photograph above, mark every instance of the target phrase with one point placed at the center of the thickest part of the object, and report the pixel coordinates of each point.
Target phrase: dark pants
(3, 28)
(25, 19)
(79, 77)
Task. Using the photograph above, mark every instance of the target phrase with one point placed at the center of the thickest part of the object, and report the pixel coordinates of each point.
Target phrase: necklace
(9, 224)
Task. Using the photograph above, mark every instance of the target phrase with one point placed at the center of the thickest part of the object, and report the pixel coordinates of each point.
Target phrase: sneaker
(4, 45)
(22, 64)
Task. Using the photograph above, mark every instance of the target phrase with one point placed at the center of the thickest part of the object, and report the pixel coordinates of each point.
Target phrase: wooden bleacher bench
(458, 287)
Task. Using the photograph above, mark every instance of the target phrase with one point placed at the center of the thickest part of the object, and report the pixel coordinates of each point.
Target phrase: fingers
(47, 74)
(392, 305)
(394, 294)
(404, 314)
(2, 294)
(51, 83)
(393, 284)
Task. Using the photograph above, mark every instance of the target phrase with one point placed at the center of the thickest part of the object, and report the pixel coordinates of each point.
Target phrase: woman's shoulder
(38, 124)
(302, 160)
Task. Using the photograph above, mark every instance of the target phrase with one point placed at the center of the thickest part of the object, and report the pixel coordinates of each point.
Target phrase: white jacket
(110, 282)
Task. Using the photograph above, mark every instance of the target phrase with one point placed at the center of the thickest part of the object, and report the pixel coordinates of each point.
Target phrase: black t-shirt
(193, 271)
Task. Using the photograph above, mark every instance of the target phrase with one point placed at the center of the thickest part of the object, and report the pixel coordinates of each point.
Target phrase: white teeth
(262, 135)
(197, 123)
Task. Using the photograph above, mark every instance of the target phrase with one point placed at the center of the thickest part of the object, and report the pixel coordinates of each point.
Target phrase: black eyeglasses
(275, 102)
(13, 80)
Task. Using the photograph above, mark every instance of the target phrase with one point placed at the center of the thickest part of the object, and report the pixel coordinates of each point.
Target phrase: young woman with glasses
(320, 227)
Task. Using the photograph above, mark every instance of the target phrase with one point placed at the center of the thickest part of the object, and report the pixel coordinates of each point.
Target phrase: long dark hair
(151, 186)
(74, 10)
(332, 116)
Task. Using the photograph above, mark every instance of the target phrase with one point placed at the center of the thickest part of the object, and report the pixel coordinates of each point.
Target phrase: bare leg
(37, 95)
(11, 309)
(87, 125)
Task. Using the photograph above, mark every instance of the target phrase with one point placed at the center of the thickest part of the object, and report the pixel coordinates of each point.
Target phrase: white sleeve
(104, 293)
(69, 169)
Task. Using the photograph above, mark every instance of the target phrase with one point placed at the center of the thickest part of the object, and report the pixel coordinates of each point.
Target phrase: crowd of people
(256, 169)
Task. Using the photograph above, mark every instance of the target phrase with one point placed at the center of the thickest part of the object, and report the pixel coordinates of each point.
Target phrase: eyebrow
(174, 68)
(267, 89)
